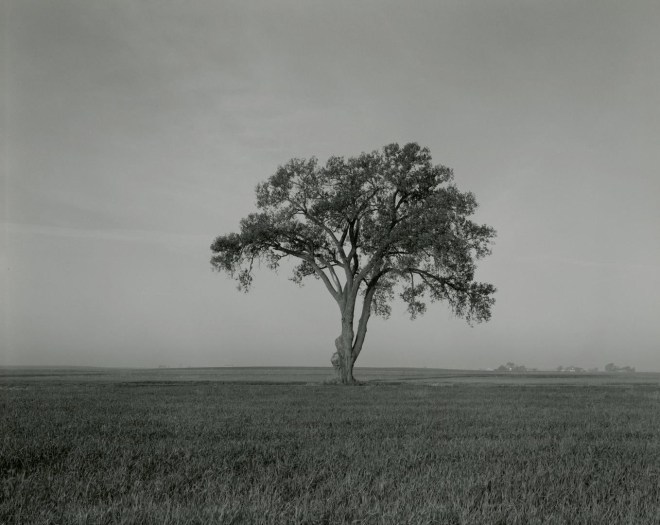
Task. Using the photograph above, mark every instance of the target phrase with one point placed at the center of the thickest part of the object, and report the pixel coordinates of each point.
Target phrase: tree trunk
(346, 370)
(348, 344)
(348, 348)
(343, 360)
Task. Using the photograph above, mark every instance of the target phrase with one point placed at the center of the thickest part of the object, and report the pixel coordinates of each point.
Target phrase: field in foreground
(83, 451)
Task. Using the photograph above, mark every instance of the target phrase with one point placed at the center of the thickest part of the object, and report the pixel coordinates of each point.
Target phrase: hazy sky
(135, 131)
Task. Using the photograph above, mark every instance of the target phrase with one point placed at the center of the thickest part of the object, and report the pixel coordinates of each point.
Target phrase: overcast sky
(135, 131)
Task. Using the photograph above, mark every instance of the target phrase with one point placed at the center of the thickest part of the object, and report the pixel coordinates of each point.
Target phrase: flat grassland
(408, 446)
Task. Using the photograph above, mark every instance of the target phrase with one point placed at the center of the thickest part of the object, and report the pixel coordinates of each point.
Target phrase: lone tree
(367, 226)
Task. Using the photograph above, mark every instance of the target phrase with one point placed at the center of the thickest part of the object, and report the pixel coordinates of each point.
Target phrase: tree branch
(366, 312)
(443, 281)
(333, 274)
(340, 248)
(336, 294)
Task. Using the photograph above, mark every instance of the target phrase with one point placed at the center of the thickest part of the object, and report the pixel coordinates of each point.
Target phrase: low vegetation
(205, 452)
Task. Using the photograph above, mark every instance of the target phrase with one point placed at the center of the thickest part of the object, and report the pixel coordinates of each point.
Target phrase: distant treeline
(610, 367)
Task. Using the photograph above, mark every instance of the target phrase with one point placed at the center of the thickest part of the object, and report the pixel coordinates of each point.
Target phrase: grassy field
(161, 446)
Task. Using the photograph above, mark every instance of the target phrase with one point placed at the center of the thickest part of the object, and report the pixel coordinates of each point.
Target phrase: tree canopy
(373, 225)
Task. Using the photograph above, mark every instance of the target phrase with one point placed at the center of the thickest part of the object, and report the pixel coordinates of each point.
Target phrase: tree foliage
(380, 218)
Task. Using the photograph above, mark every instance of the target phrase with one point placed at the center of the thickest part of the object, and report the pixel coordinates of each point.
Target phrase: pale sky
(134, 132)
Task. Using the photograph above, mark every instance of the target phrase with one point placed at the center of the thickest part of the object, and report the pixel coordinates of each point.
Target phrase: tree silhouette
(367, 226)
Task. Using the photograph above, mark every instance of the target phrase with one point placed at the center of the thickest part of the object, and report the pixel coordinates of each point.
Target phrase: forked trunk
(348, 345)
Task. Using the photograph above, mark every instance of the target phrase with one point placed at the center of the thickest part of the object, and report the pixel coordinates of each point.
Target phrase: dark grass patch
(238, 453)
